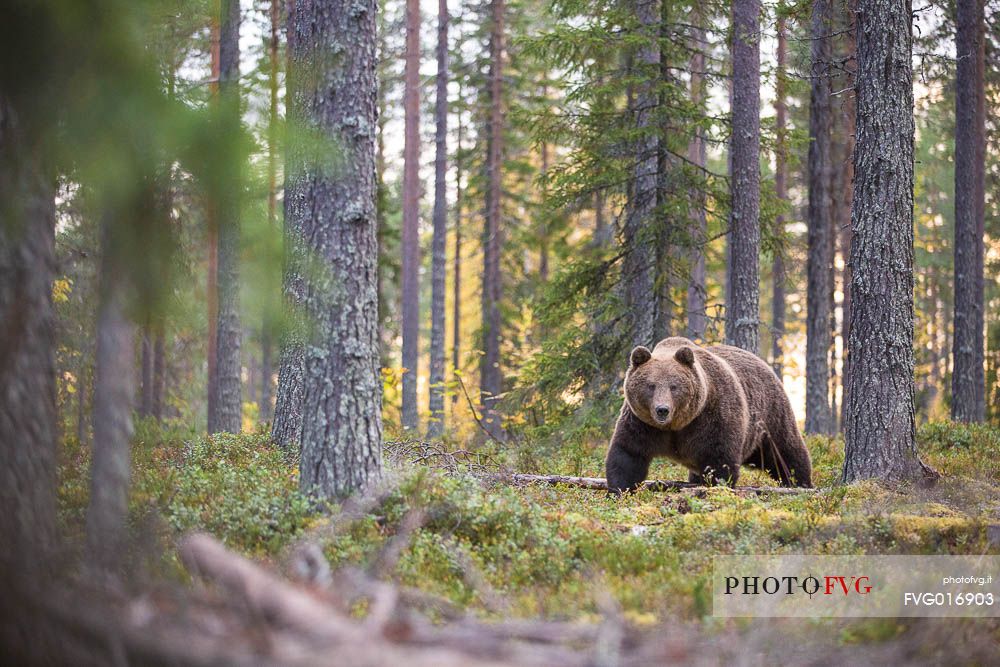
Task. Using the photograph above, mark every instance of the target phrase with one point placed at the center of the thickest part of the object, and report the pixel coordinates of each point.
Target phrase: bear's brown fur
(711, 410)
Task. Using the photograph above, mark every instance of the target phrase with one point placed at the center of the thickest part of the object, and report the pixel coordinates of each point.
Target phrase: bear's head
(666, 392)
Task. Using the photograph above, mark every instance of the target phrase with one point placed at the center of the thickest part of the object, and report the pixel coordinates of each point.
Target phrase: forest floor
(499, 551)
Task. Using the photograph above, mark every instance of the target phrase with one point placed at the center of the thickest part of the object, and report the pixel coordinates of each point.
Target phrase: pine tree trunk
(114, 393)
(341, 448)
(266, 339)
(742, 317)
(879, 429)
(780, 161)
(227, 415)
(696, 294)
(286, 428)
(967, 380)
(543, 240)
(411, 217)
(847, 195)
(980, 195)
(212, 279)
(490, 376)
(820, 263)
(436, 425)
(639, 230)
(27, 348)
(456, 316)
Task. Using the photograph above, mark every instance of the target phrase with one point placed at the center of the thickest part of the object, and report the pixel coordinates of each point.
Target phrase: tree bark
(967, 380)
(980, 195)
(227, 415)
(28, 431)
(879, 429)
(742, 317)
(490, 375)
(411, 217)
(456, 316)
(639, 230)
(267, 339)
(780, 168)
(847, 195)
(286, 428)
(435, 426)
(821, 247)
(697, 153)
(212, 279)
(114, 393)
(341, 450)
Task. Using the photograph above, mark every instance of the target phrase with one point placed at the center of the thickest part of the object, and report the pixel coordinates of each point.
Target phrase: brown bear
(711, 410)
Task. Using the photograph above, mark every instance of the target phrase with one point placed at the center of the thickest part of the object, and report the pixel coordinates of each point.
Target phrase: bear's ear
(685, 355)
(639, 356)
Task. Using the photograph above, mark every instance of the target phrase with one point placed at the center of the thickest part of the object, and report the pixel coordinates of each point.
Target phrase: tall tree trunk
(664, 239)
(879, 429)
(456, 316)
(980, 197)
(543, 240)
(411, 216)
(490, 377)
(967, 380)
(114, 393)
(342, 391)
(436, 425)
(266, 339)
(159, 373)
(212, 281)
(286, 429)
(640, 257)
(742, 317)
(697, 292)
(847, 195)
(227, 415)
(820, 263)
(780, 169)
(27, 349)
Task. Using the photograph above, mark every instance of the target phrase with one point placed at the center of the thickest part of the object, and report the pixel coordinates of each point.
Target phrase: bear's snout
(662, 412)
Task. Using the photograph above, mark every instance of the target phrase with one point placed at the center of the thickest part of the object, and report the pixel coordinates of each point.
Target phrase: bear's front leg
(716, 470)
(625, 471)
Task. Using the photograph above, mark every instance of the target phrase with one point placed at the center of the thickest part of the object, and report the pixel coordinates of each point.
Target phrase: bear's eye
(651, 386)
(673, 387)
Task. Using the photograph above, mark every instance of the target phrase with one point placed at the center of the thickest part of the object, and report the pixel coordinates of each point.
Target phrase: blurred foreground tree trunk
(114, 392)
(879, 426)
(28, 430)
(967, 380)
(341, 448)
(821, 240)
(435, 426)
(227, 413)
(742, 317)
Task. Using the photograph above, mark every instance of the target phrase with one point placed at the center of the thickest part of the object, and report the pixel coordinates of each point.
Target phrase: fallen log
(601, 484)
